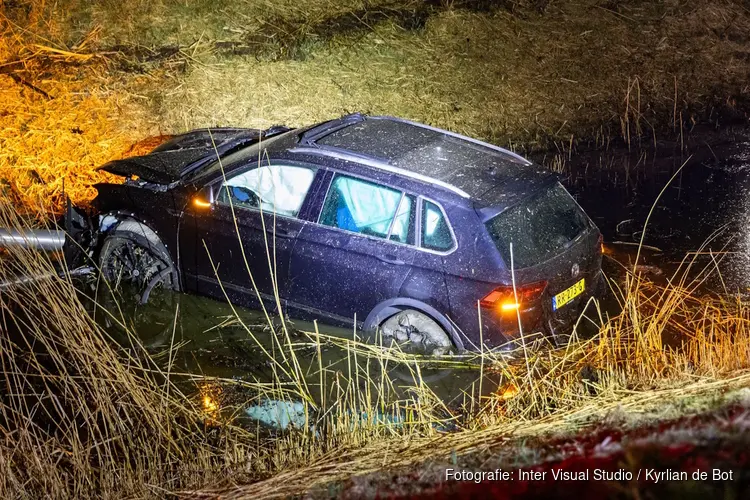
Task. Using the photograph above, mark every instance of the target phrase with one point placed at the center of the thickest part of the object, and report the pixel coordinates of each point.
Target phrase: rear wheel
(414, 331)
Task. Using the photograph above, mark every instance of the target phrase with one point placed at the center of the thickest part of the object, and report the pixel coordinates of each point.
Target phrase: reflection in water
(209, 404)
(249, 372)
(210, 395)
(508, 391)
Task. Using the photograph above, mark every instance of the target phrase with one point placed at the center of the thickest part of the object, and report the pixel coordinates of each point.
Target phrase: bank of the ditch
(81, 82)
(703, 455)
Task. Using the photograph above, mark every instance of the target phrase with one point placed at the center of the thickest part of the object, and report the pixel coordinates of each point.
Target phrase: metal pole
(25, 280)
(48, 240)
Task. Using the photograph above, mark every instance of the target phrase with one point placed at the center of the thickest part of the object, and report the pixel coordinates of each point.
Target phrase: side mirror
(203, 199)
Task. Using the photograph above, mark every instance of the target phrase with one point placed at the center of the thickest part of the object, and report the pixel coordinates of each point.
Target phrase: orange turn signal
(509, 306)
(201, 203)
(506, 300)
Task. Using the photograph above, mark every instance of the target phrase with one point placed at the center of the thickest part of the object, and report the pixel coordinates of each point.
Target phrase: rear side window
(539, 228)
(436, 235)
(367, 208)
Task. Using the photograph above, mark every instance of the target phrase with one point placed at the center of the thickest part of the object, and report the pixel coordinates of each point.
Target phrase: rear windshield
(539, 227)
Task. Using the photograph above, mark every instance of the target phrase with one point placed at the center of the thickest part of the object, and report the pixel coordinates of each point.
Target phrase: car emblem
(575, 270)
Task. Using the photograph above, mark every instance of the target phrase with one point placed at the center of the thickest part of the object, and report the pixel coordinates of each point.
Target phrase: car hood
(186, 153)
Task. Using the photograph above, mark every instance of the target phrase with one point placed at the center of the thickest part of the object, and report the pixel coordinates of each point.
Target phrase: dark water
(698, 200)
(704, 205)
(235, 348)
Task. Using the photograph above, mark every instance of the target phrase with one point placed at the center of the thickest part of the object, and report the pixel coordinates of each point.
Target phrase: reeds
(82, 414)
(627, 368)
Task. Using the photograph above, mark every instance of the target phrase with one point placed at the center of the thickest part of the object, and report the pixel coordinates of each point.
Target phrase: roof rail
(309, 137)
(372, 162)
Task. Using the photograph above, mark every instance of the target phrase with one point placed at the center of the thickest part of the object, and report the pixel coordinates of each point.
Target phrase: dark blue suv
(423, 235)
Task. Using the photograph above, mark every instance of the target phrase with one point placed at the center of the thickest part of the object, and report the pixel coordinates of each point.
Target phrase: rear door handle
(391, 259)
(281, 233)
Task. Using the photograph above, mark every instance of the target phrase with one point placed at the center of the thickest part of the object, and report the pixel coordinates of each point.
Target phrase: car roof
(471, 168)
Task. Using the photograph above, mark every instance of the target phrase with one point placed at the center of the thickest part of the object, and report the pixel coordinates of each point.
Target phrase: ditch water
(232, 347)
(705, 197)
(703, 193)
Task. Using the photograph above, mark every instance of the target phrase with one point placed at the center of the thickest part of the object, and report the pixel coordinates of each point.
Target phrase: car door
(357, 255)
(263, 205)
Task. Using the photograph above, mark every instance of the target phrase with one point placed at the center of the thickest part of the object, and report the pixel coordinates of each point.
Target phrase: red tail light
(600, 243)
(503, 299)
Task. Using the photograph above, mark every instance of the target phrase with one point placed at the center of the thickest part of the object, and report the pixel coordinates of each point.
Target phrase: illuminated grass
(81, 416)
(125, 423)
(512, 75)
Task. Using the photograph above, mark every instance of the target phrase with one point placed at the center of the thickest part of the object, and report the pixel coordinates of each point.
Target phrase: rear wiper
(575, 240)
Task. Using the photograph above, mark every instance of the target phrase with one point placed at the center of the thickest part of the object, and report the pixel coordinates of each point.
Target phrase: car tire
(417, 332)
(133, 254)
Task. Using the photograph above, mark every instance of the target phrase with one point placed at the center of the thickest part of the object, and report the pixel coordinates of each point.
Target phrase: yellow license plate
(567, 295)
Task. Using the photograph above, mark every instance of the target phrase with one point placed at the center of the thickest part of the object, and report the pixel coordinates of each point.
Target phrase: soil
(703, 456)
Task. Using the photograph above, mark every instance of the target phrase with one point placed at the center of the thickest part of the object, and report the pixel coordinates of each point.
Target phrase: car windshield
(255, 151)
(539, 227)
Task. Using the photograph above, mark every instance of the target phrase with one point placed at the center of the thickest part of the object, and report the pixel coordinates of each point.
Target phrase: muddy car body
(403, 228)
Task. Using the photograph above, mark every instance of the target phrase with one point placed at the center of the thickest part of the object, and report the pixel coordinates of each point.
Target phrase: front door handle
(391, 259)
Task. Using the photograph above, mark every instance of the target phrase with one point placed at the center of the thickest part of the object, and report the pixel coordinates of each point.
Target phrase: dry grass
(625, 370)
(509, 78)
(50, 146)
(82, 417)
(516, 76)
(177, 22)
(53, 139)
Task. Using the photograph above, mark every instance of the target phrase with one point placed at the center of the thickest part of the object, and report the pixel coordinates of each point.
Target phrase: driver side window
(273, 188)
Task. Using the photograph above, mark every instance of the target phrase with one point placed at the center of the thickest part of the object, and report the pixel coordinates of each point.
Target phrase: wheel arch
(389, 307)
(111, 221)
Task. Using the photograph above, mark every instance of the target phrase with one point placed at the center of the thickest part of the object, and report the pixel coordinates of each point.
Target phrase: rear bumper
(539, 321)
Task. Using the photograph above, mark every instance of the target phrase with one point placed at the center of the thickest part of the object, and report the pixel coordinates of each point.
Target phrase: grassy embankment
(81, 416)
(527, 74)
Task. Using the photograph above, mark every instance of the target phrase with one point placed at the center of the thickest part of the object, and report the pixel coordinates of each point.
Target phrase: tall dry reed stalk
(81, 415)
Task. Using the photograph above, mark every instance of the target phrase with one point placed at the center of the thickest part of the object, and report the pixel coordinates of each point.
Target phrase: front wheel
(132, 256)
